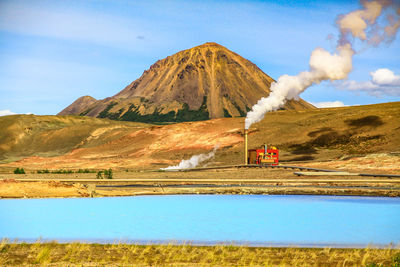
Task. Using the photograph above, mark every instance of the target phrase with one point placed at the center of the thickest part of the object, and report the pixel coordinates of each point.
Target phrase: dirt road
(229, 181)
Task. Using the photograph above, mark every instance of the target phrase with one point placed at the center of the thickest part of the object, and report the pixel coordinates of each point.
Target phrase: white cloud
(385, 76)
(383, 82)
(6, 112)
(329, 104)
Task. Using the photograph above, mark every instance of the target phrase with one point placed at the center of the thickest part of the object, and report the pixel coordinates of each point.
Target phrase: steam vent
(204, 82)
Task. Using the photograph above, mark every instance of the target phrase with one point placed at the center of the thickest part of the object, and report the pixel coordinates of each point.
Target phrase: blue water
(207, 219)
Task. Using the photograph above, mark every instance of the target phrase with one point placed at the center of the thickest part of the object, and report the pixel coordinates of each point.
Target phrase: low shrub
(85, 171)
(61, 171)
(108, 174)
(19, 171)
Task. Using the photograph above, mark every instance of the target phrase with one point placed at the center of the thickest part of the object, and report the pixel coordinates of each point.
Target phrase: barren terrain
(336, 136)
(362, 139)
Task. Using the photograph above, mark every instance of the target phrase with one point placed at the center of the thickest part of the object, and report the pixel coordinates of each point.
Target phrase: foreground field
(79, 254)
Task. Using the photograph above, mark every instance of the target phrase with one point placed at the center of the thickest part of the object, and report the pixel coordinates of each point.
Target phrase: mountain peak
(203, 82)
(210, 44)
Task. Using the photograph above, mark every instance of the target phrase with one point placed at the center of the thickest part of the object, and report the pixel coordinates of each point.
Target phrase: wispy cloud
(83, 25)
(329, 104)
(383, 82)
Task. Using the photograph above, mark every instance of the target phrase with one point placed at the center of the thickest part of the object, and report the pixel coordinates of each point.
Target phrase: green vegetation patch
(133, 114)
(84, 113)
(108, 174)
(227, 114)
(19, 171)
(241, 112)
(104, 113)
(193, 115)
(61, 171)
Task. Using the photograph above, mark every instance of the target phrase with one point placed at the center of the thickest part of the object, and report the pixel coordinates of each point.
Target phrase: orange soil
(10, 188)
(374, 163)
(144, 147)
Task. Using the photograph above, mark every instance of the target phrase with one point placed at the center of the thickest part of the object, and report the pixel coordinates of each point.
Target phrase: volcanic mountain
(204, 82)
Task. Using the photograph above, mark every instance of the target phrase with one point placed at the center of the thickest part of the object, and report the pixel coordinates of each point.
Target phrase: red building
(267, 155)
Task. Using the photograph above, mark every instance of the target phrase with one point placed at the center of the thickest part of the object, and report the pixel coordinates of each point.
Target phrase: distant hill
(80, 104)
(204, 82)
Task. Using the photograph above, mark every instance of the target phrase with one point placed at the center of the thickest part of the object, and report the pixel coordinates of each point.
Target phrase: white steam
(193, 161)
(323, 66)
(327, 66)
(357, 22)
(363, 24)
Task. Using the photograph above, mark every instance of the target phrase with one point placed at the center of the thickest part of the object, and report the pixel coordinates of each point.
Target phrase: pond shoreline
(55, 189)
(65, 190)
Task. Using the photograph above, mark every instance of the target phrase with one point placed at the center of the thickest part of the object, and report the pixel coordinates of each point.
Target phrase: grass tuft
(43, 256)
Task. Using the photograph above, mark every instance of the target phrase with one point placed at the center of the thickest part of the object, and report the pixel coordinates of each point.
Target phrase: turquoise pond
(206, 219)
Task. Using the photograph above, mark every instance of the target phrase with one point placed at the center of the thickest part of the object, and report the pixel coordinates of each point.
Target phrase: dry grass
(82, 254)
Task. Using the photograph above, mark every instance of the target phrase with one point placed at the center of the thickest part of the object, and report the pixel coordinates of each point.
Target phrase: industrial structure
(267, 155)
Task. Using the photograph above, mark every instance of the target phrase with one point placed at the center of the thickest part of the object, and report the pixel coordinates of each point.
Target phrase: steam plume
(193, 161)
(360, 24)
(363, 24)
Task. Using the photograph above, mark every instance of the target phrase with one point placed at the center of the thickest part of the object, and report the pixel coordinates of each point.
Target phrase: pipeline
(284, 167)
(245, 147)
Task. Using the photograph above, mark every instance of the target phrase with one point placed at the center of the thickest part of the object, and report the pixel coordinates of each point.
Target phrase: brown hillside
(78, 106)
(206, 81)
(38, 142)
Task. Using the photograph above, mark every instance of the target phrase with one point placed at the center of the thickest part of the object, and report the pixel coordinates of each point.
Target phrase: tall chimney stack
(245, 146)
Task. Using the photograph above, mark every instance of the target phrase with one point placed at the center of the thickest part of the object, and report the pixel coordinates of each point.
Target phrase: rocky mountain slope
(204, 82)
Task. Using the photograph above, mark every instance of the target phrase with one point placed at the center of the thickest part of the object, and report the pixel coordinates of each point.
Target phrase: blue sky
(52, 52)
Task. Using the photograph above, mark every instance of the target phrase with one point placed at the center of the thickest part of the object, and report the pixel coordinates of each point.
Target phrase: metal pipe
(245, 146)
